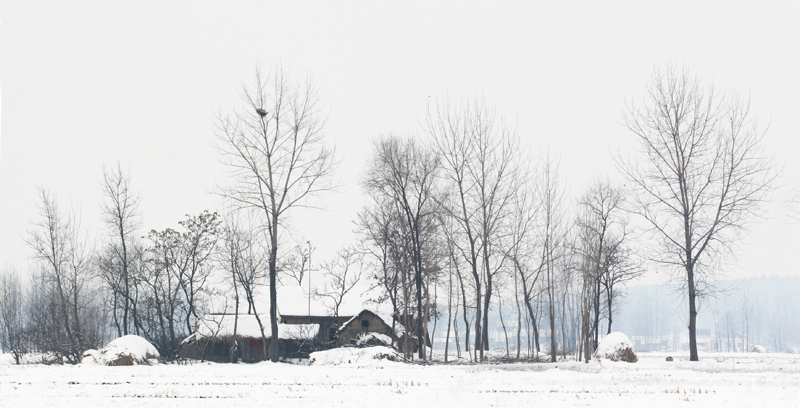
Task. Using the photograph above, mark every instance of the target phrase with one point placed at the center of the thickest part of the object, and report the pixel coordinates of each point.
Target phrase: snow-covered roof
(222, 325)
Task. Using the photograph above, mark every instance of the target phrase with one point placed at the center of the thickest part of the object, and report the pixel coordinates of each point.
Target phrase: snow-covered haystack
(366, 356)
(616, 346)
(759, 349)
(124, 351)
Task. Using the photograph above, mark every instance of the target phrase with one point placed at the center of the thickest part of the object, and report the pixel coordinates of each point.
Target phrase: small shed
(362, 324)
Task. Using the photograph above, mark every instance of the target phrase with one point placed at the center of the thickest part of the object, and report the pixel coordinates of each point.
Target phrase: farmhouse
(362, 324)
(213, 339)
(304, 326)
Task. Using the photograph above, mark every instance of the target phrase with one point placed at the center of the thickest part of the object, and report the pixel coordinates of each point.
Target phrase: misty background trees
(471, 238)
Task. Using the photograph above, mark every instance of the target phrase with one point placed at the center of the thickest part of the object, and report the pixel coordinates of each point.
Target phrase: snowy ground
(731, 380)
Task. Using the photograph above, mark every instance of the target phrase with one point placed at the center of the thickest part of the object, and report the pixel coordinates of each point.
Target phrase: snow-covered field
(730, 380)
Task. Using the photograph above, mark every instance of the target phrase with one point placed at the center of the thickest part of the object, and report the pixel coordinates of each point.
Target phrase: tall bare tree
(403, 172)
(619, 267)
(551, 234)
(478, 155)
(274, 150)
(601, 208)
(163, 306)
(11, 313)
(520, 249)
(120, 212)
(62, 256)
(378, 225)
(192, 259)
(700, 178)
(246, 260)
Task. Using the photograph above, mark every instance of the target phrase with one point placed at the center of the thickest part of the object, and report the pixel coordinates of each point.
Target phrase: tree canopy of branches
(63, 282)
(402, 174)
(700, 177)
(174, 280)
(479, 159)
(11, 314)
(343, 273)
(245, 259)
(120, 212)
(605, 257)
(274, 150)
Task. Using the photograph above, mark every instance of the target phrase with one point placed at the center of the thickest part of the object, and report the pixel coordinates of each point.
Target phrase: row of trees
(77, 296)
(156, 286)
(462, 210)
(465, 211)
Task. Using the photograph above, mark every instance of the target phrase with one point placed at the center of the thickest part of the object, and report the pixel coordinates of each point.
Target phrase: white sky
(85, 83)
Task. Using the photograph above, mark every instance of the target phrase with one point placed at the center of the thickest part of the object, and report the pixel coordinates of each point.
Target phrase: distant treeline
(739, 315)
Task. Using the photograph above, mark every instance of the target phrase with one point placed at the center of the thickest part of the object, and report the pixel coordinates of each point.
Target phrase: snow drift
(365, 356)
(7, 359)
(616, 346)
(124, 351)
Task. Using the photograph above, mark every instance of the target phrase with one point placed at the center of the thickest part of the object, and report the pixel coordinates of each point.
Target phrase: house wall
(250, 349)
(218, 350)
(365, 322)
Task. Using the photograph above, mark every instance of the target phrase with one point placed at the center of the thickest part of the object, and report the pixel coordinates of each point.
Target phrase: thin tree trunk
(273, 290)
(449, 312)
(502, 323)
(693, 356)
(519, 317)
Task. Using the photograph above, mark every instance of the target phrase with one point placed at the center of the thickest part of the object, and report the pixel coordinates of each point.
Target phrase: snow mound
(367, 356)
(124, 351)
(7, 359)
(759, 349)
(616, 346)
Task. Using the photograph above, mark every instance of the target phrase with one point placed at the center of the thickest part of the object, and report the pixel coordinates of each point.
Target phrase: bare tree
(701, 177)
(619, 267)
(343, 273)
(163, 307)
(551, 234)
(478, 158)
(520, 248)
(230, 258)
(120, 212)
(63, 259)
(606, 261)
(246, 259)
(11, 314)
(403, 173)
(379, 224)
(297, 264)
(746, 305)
(274, 150)
(193, 258)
